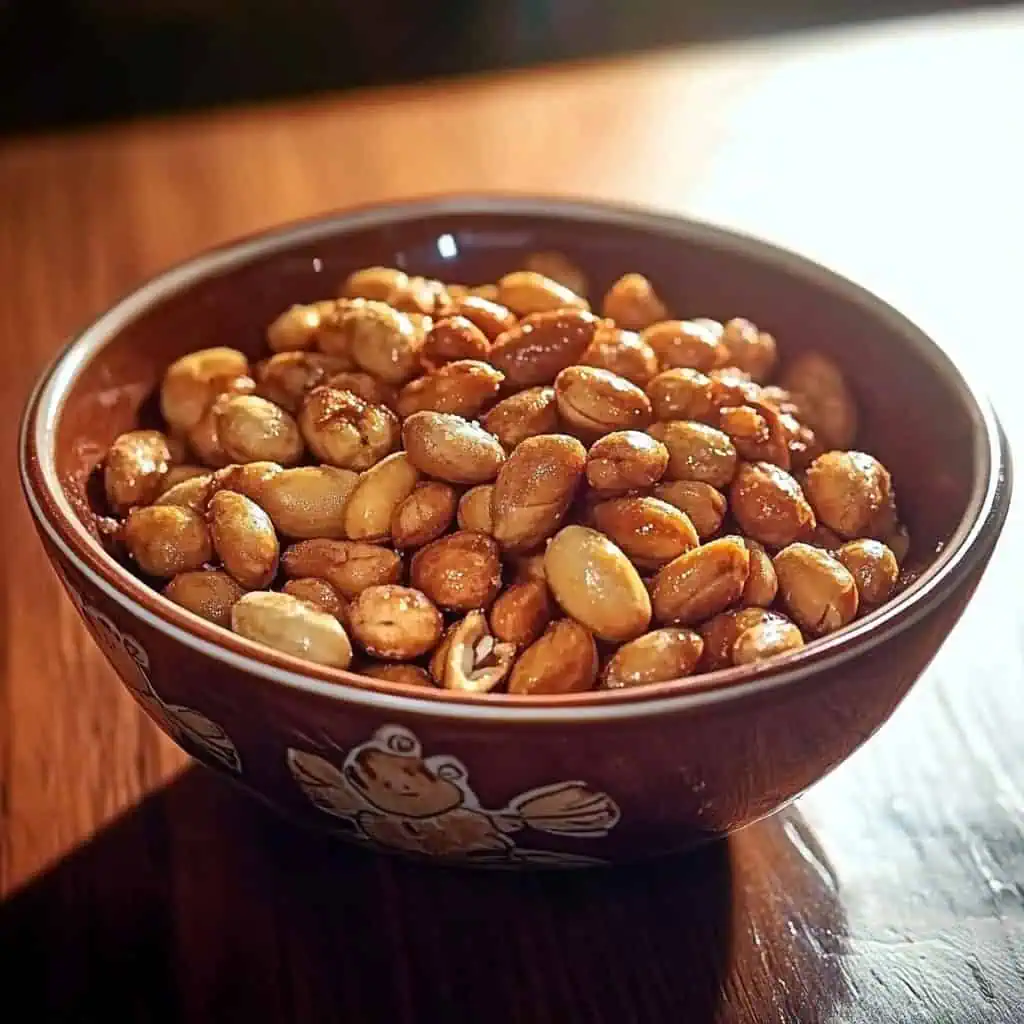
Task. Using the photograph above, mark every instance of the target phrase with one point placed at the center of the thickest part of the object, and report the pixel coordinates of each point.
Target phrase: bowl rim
(986, 509)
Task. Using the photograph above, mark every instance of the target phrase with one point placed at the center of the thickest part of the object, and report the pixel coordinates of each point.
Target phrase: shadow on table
(201, 905)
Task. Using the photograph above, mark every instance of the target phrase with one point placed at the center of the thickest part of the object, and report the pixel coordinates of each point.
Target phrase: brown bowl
(495, 779)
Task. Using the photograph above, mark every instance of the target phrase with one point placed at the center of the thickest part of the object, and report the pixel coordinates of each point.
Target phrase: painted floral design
(388, 794)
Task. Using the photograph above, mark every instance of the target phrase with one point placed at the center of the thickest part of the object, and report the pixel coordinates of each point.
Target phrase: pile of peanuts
(493, 488)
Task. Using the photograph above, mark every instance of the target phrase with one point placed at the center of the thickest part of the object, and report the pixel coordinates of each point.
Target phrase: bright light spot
(446, 247)
(318, 264)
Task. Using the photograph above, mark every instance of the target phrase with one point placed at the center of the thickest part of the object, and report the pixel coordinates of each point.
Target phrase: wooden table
(141, 889)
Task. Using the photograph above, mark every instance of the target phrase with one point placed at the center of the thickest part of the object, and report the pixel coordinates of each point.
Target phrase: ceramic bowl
(497, 780)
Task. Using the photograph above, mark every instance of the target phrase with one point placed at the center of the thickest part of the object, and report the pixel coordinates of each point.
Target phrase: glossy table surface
(138, 888)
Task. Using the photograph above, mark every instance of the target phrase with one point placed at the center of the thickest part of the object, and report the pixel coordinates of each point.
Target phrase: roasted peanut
(459, 572)
(251, 429)
(381, 340)
(208, 593)
(423, 516)
(249, 479)
(803, 444)
(244, 539)
(534, 490)
(469, 659)
(474, 511)
(343, 430)
(874, 569)
(308, 501)
(632, 303)
(204, 437)
(537, 349)
(349, 566)
(563, 660)
(762, 583)
(165, 540)
(700, 501)
(451, 449)
(525, 292)
(528, 413)
(192, 493)
(749, 349)
(376, 283)
(851, 492)
(826, 404)
(420, 296)
(765, 640)
(453, 339)
(655, 657)
(681, 393)
(596, 402)
(696, 452)
(556, 266)
(292, 626)
(395, 622)
(594, 582)
(136, 467)
(649, 531)
(817, 589)
(702, 582)
(730, 387)
(192, 382)
(769, 505)
(521, 613)
(465, 387)
(376, 496)
(625, 460)
(320, 593)
(490, 317)
(758, 433)
(364, 386)
(721, 632)
(287, 377)
(180, 474)
(396, 672)
(623, 353)
(684, 343)
(295, 329)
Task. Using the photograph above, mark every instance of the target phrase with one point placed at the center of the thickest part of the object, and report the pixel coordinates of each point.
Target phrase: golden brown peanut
(343, 430)
(558, 267)
(649, 531)
(349, 566)
(528, 413)
(292, 626)
(534, 490)
(469, 659)
(451, 449)
(459, 572)
(490, 317)
(396, 672)
(249, 479)
(696, 452)
(596, 402)
(730, 386)
(632, 303)
(320, 593)
(563, 660)
(180, 474)
(364, 386)
(594, 582)
(702, 582)
(375, 283)
(420, 296)
(817, 589)
(455, 338)
(465, 388)
(762, 583)
(765, 640)
(244, 539)
(474, 512)
(681, 393)
(251, 429)
(529, 567)
(204, 438)
(625, 460)
(769, 505)
(165, 540)
(874, 569)
(851, 492)
(525, 292)
(193, 493)
(208, 593)
(381, 341)
(424, 515)
(803, 444)
(295, 329)
(655, 657)
(700, 501)
(758, 433)
(721, 632)
(522, 612)
(287, 377)
(623, 353)
(826, 404)
(395, 622)
(750, 349)
(192, 382)
(537, 349)
(308, 501)
(136, 468)
(684, 343)
(376, 497)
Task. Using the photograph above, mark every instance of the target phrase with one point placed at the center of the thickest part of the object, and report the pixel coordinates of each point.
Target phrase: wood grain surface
(137, 888)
